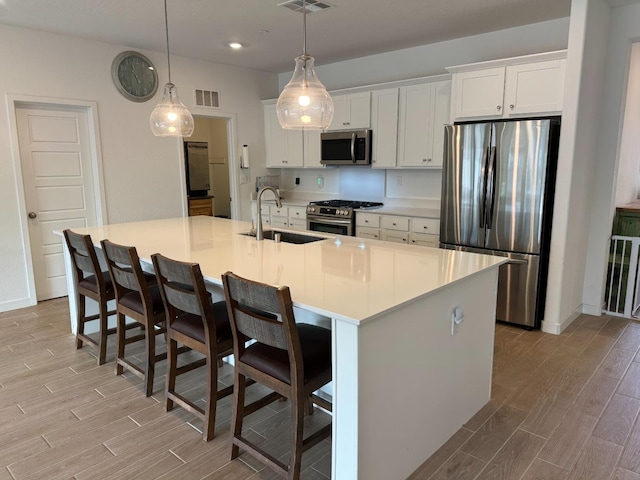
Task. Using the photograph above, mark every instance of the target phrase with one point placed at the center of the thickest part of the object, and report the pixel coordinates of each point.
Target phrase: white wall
(624, 29)
(575, 181)
(141, 172)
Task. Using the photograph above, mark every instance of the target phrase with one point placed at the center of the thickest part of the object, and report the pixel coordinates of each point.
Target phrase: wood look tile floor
(563, 407)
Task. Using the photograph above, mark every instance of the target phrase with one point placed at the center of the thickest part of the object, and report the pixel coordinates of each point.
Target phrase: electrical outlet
(398, 181)
(297, 180)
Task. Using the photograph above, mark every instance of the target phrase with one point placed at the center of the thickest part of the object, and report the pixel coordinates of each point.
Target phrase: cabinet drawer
(425, 240)
(425, 225)
(298, 212)
(395, 223)
(367, 232)
(282, 222)
(367, 220)
(279, 211)
(395, 236)
(297, 223)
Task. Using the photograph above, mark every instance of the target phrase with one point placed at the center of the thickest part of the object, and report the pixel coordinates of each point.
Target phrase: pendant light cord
(166, 30)
(304, 27)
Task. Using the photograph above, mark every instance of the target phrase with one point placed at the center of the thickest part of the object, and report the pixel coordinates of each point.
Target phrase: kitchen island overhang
(402, 383)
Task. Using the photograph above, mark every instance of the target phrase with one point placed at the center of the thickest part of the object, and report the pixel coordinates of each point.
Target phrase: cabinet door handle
(425, 227)
(394, 224)
(499, 107)
(366, 221)
(512, 106)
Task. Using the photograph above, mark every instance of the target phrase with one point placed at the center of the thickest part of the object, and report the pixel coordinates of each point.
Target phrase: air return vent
(207, 98)
(312, 5)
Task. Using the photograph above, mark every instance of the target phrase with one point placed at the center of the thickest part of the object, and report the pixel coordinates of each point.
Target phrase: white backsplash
(398, 187)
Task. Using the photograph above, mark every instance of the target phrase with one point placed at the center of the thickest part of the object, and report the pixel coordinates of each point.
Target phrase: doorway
(214, 131)
(58, 166)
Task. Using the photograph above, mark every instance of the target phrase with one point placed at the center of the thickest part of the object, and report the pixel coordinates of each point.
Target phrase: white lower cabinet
(395, 229)
(367, 232)
(288, 216)
(424, 240)
(399, 229)
(297, 218)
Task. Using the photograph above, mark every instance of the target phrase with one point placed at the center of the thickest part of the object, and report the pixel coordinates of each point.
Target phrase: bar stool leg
(238, 411)
(150, 344)
(121, 332)
(102, 346)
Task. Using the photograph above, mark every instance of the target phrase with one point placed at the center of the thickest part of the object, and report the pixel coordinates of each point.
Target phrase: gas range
(339, 208)
(336, 216)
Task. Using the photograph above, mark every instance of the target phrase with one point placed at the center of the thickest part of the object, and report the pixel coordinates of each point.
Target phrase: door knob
(33, 214)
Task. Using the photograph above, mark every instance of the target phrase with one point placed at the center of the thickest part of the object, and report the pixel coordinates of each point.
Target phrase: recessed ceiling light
(235, 45)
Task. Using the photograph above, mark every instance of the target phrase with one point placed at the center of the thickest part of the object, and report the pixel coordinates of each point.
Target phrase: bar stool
(293, 360)
(90, 282)
(137, 297)
(197, 323)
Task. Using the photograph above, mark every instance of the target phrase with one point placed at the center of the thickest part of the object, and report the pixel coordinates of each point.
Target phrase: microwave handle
(353, 147)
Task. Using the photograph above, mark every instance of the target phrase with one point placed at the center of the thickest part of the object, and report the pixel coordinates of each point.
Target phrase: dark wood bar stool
(137, 297)
(293, 360)
(90, 282)
(196, 322)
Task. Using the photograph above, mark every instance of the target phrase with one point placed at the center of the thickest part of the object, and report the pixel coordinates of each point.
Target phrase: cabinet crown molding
(504, 62)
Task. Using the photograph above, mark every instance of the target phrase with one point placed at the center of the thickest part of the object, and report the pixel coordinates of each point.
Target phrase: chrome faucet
(259, 232)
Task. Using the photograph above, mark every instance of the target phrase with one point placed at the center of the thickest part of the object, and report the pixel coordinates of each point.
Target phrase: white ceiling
(349, 29)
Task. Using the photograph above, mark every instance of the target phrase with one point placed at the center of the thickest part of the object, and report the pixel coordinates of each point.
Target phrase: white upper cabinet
(479, 93)
(284, 148)
(534, 88)
(384, 123)
(512, 87)
(312, 149)
(351, 111)
(423, 112)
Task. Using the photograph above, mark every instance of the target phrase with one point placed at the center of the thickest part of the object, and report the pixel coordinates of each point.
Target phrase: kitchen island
(405, 375)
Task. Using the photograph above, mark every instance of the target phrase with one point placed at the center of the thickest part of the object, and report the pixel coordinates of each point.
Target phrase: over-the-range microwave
(351, 147)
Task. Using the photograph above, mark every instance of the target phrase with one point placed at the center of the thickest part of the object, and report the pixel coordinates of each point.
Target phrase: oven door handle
(328, 221)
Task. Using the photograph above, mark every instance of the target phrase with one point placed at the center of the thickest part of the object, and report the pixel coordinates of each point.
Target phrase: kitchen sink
(288, 237)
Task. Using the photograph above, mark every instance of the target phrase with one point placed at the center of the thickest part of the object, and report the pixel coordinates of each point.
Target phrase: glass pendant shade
(170, 118)
(304, 103)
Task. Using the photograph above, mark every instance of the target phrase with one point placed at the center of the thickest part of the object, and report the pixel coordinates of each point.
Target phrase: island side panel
(418, 384)
(344, 439)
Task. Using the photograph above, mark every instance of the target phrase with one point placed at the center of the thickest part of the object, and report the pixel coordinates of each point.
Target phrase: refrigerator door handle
(490, 189)
(518, 262)
(482, 193)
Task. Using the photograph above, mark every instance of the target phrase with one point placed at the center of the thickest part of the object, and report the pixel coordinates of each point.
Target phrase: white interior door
(58, 181)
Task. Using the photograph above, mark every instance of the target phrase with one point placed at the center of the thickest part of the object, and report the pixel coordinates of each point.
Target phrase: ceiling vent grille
(207, 98)
(312, 5)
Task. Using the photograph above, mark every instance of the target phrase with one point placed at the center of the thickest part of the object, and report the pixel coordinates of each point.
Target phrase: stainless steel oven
(335, 216)
(337, 226)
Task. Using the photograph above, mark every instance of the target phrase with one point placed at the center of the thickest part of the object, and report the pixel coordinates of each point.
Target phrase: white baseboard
(16, 304)
(595, 310)
(558, 328)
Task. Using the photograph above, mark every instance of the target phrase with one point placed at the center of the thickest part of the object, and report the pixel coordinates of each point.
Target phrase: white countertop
(347, 278)
(404, 211)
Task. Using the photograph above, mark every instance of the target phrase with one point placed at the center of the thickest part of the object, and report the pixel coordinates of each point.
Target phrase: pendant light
(170, 118)
(304, 103)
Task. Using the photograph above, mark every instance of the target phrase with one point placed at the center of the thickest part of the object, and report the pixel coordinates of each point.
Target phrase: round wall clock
(135, 76)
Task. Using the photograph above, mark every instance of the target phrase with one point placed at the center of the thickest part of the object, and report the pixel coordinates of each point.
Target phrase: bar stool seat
(315, 343)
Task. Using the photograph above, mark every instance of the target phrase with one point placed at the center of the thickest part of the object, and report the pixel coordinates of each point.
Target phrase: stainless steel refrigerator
(498, 182)
(196, 155)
